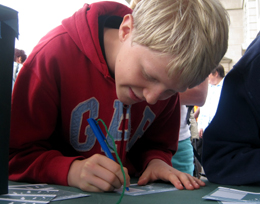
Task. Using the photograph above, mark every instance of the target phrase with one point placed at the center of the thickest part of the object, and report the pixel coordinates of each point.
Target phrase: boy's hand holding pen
(101, 139)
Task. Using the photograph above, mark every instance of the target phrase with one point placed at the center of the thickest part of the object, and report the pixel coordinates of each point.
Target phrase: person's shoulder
(251, 55)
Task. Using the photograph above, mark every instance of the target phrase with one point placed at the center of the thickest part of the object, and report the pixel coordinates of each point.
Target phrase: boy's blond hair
(133, 3)
(193, 32)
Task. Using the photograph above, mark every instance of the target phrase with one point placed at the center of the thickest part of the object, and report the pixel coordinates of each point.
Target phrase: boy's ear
(126, 27)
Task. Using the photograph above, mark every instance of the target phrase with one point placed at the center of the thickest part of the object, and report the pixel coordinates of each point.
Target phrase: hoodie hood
(82, 27)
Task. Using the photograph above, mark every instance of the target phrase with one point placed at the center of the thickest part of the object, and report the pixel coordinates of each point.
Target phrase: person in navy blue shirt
(231, 143)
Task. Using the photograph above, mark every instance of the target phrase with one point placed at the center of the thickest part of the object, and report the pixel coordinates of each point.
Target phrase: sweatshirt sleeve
(34, 116)
(160, 141)
(231, 143)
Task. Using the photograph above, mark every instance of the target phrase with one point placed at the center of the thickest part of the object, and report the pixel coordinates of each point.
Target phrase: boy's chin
(126, 101)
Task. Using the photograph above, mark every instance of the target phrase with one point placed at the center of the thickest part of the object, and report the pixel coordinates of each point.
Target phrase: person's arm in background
(197, 112)
(195, 96)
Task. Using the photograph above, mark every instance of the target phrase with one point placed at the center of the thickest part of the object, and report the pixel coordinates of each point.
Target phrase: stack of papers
(233, 196)
(36, 193)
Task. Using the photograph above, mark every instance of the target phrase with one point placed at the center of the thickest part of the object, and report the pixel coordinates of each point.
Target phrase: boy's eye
(170, 92)
(148, 77)
(151, 79)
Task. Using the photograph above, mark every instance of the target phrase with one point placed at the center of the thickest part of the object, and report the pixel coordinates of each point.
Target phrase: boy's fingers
(176, 182)
(115, 168)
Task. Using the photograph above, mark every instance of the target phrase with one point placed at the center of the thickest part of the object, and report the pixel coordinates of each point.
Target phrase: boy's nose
(151, 97)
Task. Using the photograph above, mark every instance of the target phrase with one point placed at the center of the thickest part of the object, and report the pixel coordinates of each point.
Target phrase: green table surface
(178, 197)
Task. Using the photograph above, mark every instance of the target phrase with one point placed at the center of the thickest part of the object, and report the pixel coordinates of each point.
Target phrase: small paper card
(136, 190)
(233, 195)
(27, 198)
(36, 193)
(224, 202)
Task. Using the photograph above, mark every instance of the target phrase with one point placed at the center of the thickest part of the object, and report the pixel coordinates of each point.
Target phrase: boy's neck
(112, 45)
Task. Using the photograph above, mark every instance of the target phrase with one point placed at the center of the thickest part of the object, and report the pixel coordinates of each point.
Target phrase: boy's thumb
(143, 180)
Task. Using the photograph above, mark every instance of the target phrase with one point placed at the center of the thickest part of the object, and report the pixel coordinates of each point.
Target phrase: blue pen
(101, 139)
